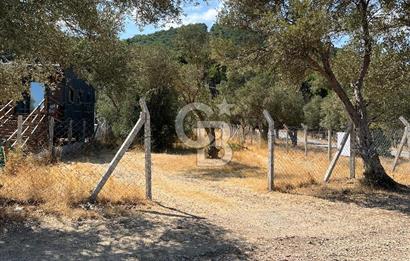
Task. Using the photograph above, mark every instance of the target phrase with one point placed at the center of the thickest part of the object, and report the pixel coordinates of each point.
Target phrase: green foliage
(312, 113)
(151, 74)
(333, 115)
(163, 38)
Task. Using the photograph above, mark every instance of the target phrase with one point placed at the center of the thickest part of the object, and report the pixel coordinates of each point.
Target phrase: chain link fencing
(302, 157)
(64, 171)
(61, 166)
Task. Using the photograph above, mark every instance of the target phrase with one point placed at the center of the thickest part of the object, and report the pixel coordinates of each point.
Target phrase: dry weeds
(59, 188)
(293, 170)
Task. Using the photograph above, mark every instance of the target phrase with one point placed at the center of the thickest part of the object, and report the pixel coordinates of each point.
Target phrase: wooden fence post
(51, 137)
(271, 147)
(147, 147)
(329, 144)
(332, 165)
(70, 131)
(406, 137)
(352, 159)
(118, 156)
(19, 130)
(305, 133)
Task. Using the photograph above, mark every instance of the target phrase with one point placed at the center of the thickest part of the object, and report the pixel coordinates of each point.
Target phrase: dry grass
(60, 188)
(293, 170)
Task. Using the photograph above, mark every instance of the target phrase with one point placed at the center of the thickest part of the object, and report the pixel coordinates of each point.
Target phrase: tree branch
(327, 72)
(363, 5)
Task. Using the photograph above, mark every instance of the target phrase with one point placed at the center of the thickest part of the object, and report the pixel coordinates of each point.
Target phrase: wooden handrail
(24, 122)
(5, 106)
(34, 130)
(6, 114)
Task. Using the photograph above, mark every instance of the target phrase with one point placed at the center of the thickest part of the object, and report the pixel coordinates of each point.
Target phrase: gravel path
(203, 219)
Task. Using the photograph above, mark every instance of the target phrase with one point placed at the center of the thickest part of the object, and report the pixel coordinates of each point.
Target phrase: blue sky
(203, 13)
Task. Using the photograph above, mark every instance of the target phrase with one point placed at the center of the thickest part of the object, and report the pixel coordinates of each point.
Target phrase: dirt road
(197, 217)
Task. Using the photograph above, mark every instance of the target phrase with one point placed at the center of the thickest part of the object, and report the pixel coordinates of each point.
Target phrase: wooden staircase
(33, 131)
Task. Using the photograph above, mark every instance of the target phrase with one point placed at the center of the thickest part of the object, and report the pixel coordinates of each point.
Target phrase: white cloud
(208, 17)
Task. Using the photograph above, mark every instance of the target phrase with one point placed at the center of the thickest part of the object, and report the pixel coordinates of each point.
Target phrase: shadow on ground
(232, 170)
(393, 201)
(159, 233)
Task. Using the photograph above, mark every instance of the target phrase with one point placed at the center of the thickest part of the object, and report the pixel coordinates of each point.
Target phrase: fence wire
(69, 170)
(301, 161)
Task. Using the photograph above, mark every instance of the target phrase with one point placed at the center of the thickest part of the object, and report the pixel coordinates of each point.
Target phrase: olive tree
(301, 36)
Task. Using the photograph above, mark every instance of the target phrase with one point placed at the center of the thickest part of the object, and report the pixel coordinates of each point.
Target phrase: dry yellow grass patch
(293, 170)
(61, 187)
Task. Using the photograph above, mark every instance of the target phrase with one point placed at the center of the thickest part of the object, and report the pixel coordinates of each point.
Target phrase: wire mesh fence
(302, 157)
(63, 164)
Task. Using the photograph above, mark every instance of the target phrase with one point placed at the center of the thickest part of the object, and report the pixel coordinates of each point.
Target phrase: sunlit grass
(61, 187)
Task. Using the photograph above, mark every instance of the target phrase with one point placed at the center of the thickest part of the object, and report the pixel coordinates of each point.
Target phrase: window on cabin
(71, 95)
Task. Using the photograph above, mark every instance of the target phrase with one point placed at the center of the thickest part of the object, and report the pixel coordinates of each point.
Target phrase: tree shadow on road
(393, 201)
(232, 170)
(156, 234)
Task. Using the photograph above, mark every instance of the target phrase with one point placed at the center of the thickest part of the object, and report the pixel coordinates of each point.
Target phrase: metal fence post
(352, 159)
(406, 137)
(70, 131)
(332, 164)
(51, 137)
(147, 148)
(84, 130)
(271, 147)
(329, 144)
(118, 156)
(19, 130)
(305, 133)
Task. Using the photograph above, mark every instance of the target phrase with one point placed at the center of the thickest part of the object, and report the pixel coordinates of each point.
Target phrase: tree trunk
(374, 172)
(212, 151)
(293, 134)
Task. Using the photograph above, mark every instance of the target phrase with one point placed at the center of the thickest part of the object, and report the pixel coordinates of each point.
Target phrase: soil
(196, 218)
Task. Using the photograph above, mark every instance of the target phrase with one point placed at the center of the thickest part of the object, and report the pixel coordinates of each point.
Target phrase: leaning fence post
(147, 146)
(118, 156)
(332, 165)
(19, 129)
(271, 147)
(406, 137)
(352, 159)
(329, 144)
(305, 132)
(51, 137)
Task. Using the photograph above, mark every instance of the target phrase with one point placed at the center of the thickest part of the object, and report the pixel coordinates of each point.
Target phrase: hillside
(163, 37)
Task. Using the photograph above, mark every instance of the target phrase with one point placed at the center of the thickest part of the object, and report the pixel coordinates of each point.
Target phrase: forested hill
(163, 37)
(166, 37)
